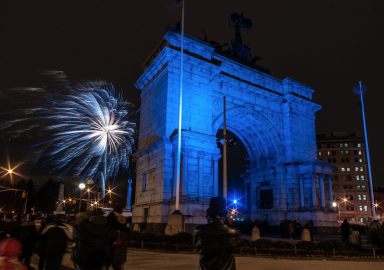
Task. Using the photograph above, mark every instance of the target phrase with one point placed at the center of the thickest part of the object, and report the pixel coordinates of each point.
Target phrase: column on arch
(329, 189)
(200, 160)
(301, 186)
(215, 174)
(184, 177)
(321, 190)
(313, 186)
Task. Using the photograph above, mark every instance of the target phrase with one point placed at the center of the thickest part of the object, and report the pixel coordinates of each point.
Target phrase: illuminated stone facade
(273, 118)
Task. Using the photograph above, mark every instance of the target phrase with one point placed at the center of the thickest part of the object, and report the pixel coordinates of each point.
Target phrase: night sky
(327, 44)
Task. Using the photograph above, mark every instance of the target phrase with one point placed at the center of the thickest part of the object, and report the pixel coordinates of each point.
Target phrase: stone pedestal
(175, 223)
(136, 227)
(255, 235)
(59, 209)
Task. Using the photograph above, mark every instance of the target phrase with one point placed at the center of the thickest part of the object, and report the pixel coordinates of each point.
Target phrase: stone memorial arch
(274, 119)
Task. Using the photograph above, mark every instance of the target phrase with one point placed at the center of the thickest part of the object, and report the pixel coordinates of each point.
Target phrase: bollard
(306, 235)
(255, 235)
(356, 238)
(136, 227)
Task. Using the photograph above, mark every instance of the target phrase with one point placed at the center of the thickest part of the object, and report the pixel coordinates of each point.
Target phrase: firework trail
(85, 132)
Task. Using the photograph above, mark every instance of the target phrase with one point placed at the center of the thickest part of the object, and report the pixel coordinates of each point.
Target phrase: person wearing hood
(10, 250)
(216, 241)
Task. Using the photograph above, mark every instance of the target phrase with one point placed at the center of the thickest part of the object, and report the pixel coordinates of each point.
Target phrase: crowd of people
(374, 230)
(292, 229)
(96, 241)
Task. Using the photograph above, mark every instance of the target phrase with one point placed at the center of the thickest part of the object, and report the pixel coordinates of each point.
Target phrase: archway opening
(238, 166)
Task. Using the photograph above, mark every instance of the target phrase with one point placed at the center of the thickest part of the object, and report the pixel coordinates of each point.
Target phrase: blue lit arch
(259, 137)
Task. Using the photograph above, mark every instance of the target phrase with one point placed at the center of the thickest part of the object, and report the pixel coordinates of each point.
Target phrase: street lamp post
(110, 196)
(81, 187)
(25, 195)
(336, 204)
(90, 183)
(225, 181)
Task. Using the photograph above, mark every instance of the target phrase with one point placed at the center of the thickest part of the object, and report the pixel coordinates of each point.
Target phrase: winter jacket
(94, 243)
(216, 243)
(120, 241)
(54, 238)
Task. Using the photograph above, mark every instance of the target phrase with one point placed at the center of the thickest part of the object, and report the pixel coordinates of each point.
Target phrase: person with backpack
(53, 243)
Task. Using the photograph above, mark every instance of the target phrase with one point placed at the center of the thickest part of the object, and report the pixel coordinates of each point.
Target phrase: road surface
(146, 260)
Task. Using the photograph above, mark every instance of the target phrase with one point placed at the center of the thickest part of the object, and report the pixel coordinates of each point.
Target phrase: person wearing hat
(10, 250)
(216, 241)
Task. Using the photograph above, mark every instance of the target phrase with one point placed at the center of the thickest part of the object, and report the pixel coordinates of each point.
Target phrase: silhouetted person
(291, 229)
(94, 242)
(376, 234)
(284, 228)
(298, 229)
(27, 235)
(53, 243)
(216, 241)
(264, 227)
(120, 240)
(345, 231)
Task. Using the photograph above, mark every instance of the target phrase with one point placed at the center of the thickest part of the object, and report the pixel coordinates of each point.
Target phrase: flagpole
(373, 210)
(178, 164)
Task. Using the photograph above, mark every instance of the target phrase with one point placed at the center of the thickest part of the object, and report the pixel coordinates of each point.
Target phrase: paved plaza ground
(145, 260)
(148, 260)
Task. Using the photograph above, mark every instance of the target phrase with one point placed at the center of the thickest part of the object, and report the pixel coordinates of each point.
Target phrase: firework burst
(89, 135)
(85, 132)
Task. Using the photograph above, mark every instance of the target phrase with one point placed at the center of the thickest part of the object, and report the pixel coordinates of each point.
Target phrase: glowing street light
(11, 170)
(376, 205)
